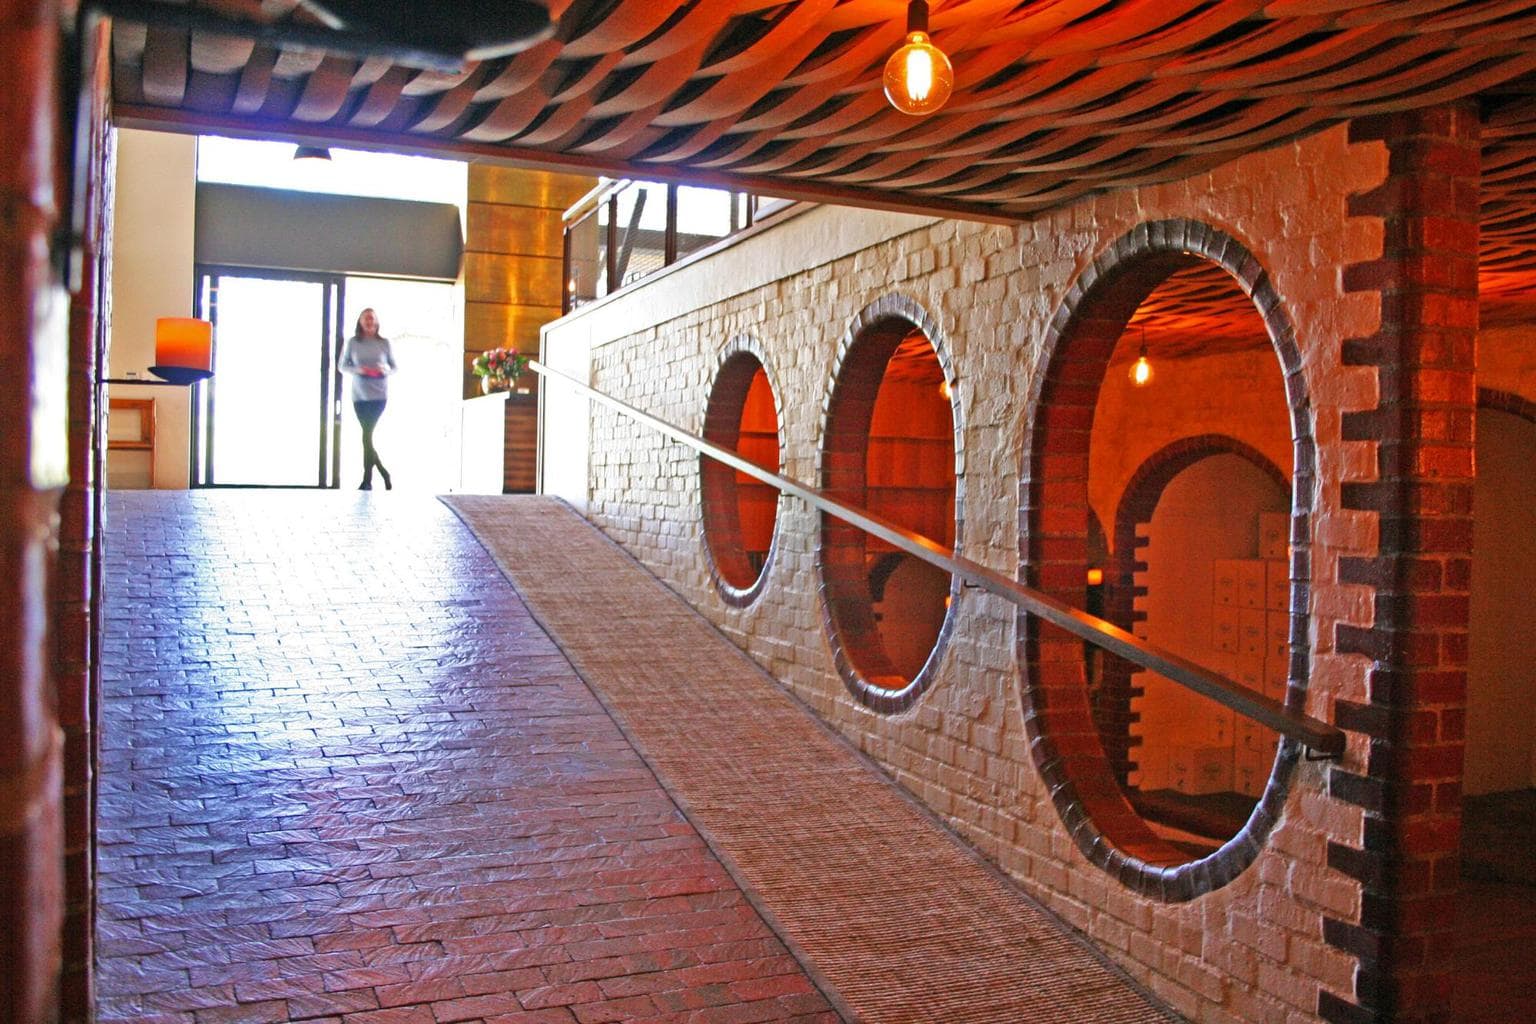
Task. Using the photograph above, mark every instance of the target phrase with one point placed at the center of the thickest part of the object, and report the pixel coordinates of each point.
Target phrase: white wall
(806, 238)
(1501, 676)
(155, 194)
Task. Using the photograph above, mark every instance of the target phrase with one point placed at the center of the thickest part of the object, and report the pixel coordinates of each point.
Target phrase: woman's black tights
(368, 414)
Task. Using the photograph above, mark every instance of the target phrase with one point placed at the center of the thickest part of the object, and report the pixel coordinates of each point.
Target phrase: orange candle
(184, 341)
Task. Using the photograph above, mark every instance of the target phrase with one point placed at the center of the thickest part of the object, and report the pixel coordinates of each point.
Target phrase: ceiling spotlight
(918, 77)
(311, 153)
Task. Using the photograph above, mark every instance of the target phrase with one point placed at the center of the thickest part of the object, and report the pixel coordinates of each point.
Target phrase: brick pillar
(1423, 426)
(78, 584)
(33, 465)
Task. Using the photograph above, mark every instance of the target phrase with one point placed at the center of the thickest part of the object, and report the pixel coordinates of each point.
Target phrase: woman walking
(367, 357)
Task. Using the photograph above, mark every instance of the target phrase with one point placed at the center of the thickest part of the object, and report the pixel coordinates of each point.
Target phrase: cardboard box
(1274, 534)
(1224, 583)
(1224, 629)
(1250, 672)
(1251, 584)
(1251, 770)
(1200, 770)
(1277, 586)
(1214, 728)
(1275, 689)
(1249, 780)
(1253, 739)
(1251, 638)
(1222, 663)
(1151, 767)
(1277, 667)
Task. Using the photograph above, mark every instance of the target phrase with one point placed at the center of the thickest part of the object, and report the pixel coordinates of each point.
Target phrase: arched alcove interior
(740, 512)
(1499, 782)
(1496, 904)
(890, 448)
(1198, 768)
(1171, 792)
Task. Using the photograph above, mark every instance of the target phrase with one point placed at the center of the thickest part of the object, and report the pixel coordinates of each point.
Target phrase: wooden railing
(1322, 738)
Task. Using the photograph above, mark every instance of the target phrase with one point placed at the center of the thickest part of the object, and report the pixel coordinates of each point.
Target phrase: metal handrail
(1324, 739)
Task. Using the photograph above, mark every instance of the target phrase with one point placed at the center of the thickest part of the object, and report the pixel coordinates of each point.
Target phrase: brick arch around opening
(1064, 740)
(1506, 401)
(847, 411)
(724, 551)
(1112, 702)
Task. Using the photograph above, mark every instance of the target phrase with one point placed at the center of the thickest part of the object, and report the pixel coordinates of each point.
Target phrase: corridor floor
(346, 776)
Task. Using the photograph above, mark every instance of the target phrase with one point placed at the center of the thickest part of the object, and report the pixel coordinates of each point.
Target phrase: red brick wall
(78, 591)
(1415, 711)
(33, 353)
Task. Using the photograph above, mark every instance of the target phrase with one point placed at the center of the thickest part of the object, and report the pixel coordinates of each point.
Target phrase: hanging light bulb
(918, 77)
(1141, 369)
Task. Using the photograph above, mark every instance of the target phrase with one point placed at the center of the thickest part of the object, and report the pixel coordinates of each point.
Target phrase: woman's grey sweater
(368, 354)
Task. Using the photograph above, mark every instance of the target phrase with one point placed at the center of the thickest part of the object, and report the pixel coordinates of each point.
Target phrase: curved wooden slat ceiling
(1056, 99)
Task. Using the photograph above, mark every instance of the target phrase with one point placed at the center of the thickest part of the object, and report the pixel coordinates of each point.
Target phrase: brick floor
(1495, 972)
(905, 922)
(346, 778)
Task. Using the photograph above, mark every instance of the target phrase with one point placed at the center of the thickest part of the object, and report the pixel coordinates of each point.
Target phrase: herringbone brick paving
(905, 923)
(346, 778)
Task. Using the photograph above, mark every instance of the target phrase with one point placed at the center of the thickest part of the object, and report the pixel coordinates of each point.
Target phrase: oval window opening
(740, 512)
(1164, 414)
(890, 448)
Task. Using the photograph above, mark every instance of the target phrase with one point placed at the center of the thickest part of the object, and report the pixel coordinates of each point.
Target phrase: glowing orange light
(184, 342)
(1141, 370)
(944, 388)
(918, 77)
(1095, 577)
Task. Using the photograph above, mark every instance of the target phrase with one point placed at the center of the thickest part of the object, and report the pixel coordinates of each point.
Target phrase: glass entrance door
(269, 416)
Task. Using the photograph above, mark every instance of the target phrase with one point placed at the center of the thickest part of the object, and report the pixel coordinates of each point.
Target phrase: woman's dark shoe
(366, 485)
(388, 486)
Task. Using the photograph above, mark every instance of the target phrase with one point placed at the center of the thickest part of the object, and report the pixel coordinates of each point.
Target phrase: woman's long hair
(357, 328)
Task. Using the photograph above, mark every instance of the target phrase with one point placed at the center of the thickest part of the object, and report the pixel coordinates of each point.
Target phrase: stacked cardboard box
(1220, 751)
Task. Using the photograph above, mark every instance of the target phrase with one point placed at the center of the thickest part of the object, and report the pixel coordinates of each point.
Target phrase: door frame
(205, 278)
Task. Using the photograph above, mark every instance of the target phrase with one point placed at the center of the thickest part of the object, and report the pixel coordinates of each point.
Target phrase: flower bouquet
(498, 368)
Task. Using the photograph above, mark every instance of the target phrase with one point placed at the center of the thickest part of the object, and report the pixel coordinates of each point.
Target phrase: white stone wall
(1252, 951)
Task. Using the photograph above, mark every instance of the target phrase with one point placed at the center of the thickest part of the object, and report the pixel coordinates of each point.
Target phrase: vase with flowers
(498, 368)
